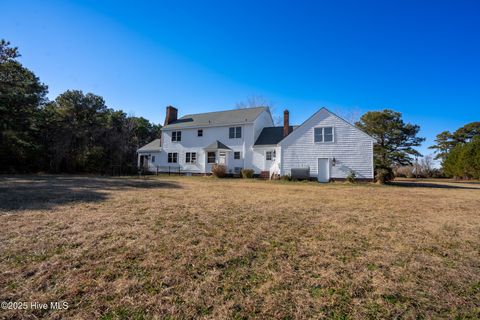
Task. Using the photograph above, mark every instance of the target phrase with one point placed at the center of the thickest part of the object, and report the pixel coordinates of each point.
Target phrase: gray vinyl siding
(352, 148)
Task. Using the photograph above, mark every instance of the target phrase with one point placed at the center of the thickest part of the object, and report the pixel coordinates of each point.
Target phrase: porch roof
(217, 145)
(154, 146)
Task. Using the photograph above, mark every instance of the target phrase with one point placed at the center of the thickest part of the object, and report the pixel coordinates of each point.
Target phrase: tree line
(459, 151)
(76, 132)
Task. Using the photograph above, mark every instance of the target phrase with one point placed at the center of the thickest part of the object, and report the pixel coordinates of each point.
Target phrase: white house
(325, 146)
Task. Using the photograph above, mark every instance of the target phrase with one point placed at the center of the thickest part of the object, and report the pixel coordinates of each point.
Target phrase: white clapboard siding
(192, 143)
(352, 148)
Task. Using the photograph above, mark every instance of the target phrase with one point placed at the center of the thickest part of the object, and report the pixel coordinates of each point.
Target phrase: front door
(323, 174)
(222, 158)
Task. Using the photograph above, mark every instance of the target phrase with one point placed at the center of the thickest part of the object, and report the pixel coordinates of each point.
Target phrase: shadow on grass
(422, 184)
(46, 192)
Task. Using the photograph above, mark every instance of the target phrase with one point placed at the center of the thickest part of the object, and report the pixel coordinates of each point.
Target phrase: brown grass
(180, 247)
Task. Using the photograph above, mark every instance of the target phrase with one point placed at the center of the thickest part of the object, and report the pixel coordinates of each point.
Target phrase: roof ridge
(230, 110)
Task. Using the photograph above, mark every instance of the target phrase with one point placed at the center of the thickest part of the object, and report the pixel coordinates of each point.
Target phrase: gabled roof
(218, 118)
(333, 114)
(272, 135)
(155, 145)
(217, 145)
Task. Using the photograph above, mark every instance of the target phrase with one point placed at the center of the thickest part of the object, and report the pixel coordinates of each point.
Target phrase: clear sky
(421, 58)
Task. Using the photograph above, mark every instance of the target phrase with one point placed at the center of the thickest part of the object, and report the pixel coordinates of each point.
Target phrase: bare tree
(256, 101)
(351, 115)
(427, 166)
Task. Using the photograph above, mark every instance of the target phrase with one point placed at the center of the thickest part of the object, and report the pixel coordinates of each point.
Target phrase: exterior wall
(259, 162)
(192, 143)
(263, 120)
(351, 148)
(150, 165)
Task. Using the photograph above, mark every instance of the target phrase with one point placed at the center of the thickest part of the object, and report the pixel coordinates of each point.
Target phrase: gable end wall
(352, 149)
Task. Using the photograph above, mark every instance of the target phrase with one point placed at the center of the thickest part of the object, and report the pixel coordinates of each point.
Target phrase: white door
(269, 158)
(323, 170)
(222, 158)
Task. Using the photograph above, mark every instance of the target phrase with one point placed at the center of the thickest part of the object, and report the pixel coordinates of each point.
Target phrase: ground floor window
(269, 155)
(191, 157)
(172, 157)
(211, 157)
(153, 158)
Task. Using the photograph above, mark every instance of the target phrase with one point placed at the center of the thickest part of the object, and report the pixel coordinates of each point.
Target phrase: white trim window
(235, 132)
(269, 155)
(176, 136)
(323, 134)
(172, 157)
(237, 155)
(200, 133)
(211, 157)
(191, 157)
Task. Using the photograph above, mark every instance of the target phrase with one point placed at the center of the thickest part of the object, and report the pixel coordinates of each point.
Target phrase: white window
(324, 134)
(235, 132)
(153, 159)
(200, 133)
(172, 157)
(236, 155)
(176, 136)
(191, 157)
(211, 157)
(269, 155)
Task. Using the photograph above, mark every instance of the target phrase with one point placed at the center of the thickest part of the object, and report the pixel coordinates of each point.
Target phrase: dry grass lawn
(198, 247)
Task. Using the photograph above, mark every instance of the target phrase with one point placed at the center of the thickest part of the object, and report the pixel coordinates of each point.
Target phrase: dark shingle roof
(217, 118)
(272, 135)
(217, 145)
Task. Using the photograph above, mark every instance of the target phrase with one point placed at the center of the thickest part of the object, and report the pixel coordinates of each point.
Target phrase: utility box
(300, 173)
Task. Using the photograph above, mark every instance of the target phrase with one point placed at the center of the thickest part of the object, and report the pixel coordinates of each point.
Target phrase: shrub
(384, 174)
(247, 173)
(286, 177)
(404, 171)
(351, 177)
(219, 170)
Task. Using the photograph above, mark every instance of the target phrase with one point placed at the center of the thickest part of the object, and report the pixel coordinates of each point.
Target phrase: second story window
(176, 136)
(235, 132)
(236, 155)
(200, 133)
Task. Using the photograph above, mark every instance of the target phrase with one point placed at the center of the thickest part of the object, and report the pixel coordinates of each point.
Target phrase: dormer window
(324, 134)
(235, 132)
(176, 136)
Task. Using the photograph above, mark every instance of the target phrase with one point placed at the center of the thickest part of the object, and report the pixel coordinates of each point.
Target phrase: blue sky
(421, 58)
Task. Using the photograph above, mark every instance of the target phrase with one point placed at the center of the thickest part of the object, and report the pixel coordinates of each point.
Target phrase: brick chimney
(286, 125)
(171, 115)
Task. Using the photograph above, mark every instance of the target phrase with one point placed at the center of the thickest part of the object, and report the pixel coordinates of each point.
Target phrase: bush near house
(247, 173)
(219, 170)
(351, 177)
(383, 175)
